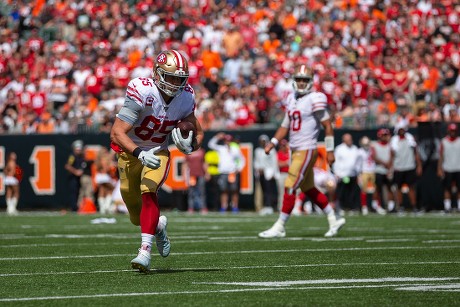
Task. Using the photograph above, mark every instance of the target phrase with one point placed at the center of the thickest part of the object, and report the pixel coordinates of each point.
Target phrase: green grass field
(50, 259)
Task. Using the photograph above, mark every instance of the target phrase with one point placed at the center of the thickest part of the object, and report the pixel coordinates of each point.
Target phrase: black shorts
(348, 194)
(451, 178)
(382, 180)
(404, 177)
(227, 183)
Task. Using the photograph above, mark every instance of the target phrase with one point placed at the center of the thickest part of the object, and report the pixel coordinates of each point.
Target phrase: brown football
(185, 127)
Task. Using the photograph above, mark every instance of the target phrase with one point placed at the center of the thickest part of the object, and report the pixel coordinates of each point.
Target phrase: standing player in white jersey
(383, 174)
(305, 113)
(449, 166)
(152, 109)
(367, 177)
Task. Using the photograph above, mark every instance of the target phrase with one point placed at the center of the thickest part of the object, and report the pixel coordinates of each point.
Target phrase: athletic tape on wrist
(329, 142)
(274, 141)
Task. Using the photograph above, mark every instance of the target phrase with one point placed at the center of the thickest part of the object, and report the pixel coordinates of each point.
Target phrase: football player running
(305, 113)
(151, 111)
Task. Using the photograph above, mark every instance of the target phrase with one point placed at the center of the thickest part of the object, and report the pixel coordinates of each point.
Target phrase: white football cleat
(381, 211)
(142, 261)
(334, 225)
(161, 237)
(266, 211)
(277, 231)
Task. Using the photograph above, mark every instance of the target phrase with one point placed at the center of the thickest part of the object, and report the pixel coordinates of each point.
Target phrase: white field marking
(335, 239)
(201, 239)
(402, 230)
(441, 241)
(207, 239)
(256, 267)
(296, 230)
(185, 218)
(370, 239)
(289, 283)
(114, 235)
(447, 288)
(205, 236)
(242, 219)
(13, 236)
(390, 240)
(198, 228)
(100, 235)
(172, 293)
(309, 250)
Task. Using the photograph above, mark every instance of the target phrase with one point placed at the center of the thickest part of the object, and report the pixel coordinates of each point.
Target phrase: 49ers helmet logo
(161, 58)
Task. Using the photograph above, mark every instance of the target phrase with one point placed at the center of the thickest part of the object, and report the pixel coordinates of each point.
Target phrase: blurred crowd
(64, 64)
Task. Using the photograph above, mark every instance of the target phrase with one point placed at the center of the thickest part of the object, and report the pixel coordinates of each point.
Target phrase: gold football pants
(300, 174)
(137, 179)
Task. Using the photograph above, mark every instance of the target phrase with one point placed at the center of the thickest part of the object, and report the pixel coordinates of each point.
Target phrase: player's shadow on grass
(173, 271)
(169, 271)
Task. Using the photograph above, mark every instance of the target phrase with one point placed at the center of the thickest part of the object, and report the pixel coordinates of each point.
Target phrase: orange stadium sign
(177, 179)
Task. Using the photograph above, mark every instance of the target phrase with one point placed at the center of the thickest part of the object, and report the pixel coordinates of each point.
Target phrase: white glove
(149, 159)
(184, 145)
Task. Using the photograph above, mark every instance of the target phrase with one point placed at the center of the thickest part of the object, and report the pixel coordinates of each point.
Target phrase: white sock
(9, 207)
(12, 206)
(100, 202)
(447, 204)
(147, 241)
(328, 210)
(108, 203)
(391, 205)
(308, 207)
(375, 204)
(284, 217)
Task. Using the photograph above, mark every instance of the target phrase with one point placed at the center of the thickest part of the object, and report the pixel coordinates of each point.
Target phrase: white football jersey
(382, 153)
(324, 179)
(451, 150)
(300, 118)
(157, 119)
(367, 160)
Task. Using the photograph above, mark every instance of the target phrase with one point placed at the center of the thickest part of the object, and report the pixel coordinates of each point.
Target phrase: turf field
(48, 259)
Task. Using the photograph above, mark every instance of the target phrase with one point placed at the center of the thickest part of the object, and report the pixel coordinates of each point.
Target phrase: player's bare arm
(392, 158)
(329, 140)
(280, 134)
(119, 135)
(418, 163)
(10, 168)
(440, 162)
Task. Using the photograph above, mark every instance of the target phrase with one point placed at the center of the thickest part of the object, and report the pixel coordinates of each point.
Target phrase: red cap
(383, 131)
(452, 127)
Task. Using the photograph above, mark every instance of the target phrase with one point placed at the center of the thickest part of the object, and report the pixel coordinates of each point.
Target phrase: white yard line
(288, 283)
(440, 241)
(216, 236)
(390, 240)
(449, 288)
(256, 267)
(302, 250)
(445, 288)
